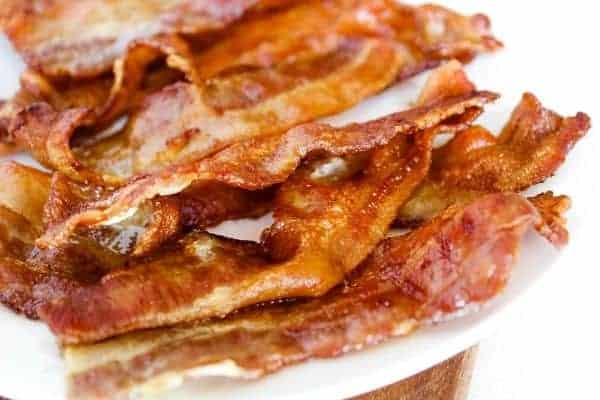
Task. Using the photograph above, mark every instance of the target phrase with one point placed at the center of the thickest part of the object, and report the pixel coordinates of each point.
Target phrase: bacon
(460, 259)
(32, 200)
(21, 210)
(552, 225)
(271, 161)
(256, 103)
(25, 192)
(103, 99)
(83, 38)
(200, 128)
(215, 279)
(217, 105)
(25, 214)
(431, 33)
(311, 245)
(262, 162)
(530, 149)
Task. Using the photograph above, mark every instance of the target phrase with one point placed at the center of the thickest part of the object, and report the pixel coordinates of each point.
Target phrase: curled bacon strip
(430, 33)
(237, 104)
(530, 149)
(265, 161)
(82, 38)
(102, 100)
(311, 245)
(256, 103)
(155, 139)
(461, 258)
(21, 210)
(553, 224)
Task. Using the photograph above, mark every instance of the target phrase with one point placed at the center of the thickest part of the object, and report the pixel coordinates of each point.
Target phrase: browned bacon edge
(461, 258)
(272, 159)
(45, 32)
(530, 149)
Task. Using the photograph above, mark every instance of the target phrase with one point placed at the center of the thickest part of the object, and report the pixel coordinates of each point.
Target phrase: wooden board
(446, 381)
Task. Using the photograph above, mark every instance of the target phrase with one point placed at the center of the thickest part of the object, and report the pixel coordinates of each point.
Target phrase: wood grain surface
(446, 381)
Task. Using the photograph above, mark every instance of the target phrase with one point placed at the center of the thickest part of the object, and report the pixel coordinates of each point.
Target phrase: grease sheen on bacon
(531, 147)
(312, 244)
(408, 29)
(262, 162)
(272, 160)
(83, 38)
(151, 141)
(462, 257)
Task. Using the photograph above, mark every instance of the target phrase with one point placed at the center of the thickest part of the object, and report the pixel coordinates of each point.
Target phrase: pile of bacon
(159, 119)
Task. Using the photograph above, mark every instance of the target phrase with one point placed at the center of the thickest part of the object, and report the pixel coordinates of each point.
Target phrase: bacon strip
(553, 225)
(360, 70)
(83, 38)
(32, 200)
(216, 106)
(267, 161)
(430, 33)
(257, 103)
(312, 244)
(105, 98)
(461, 258)
(310, 252)
(530, 149)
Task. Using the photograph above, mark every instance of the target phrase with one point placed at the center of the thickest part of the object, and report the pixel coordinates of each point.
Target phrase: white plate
(31, 367)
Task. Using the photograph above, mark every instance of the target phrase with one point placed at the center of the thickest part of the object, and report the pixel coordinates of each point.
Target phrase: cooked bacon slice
(21, 210)
(83, 38)
(332, 83)
(553, 224)
(32, 201)
(106, 97)
(263, 162)
(257, 102)
(418, 47)
(247, 103)
(431, 33)
(530, 149)
(25, 191)
(312, 244)
(459, 259)
(285, 153)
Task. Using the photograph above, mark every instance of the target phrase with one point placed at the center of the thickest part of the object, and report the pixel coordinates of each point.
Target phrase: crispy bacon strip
(461, 258)
(285, 153)
(553, 224)
(531, 147)
(83, 38)
(249, 103)
(105, 98)
(431, 33)
(310, 252)
(32, 201)
(257, 102)
(21, 210)
(25, 191)
(266, 161)
(418, 48)
(312, 244)
(208, 116)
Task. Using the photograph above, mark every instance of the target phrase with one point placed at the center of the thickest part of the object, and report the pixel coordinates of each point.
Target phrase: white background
(547, 347)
